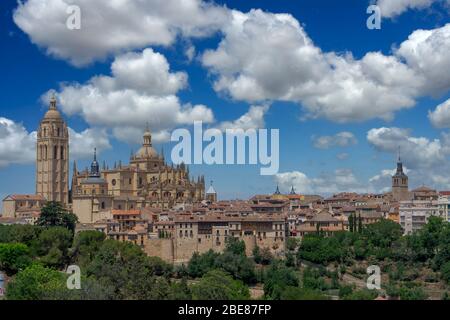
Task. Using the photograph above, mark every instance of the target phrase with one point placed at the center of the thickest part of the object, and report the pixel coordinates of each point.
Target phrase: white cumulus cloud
(427, 159)
(440, 117)
(112, 27)
(126, 103)
(340, 139)
(82, 144)
(393, 8)
(18, 146)
(265, 56)
(327, 183)
(252, 119)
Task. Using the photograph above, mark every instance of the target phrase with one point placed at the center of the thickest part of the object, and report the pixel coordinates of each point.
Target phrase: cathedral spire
(277, 191)
(147, 137)
(95, 172)
(292, 190)
(53, 102)
(399, 163)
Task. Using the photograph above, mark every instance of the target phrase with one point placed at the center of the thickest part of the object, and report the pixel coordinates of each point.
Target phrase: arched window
(62, 153)
(55, 152)
(58, 132)
(45, 152)
(103, 204)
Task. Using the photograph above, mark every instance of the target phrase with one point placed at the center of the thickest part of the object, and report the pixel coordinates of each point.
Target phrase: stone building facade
(147, 182)
(52, 157)
(209, 232)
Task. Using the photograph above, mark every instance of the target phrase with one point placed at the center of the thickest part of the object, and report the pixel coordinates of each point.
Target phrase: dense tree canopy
(218, 285)
(53, 214)
(14, 257)
(36, 257)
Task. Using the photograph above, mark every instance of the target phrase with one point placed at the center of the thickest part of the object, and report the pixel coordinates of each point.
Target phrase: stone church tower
(400, 183)
(52, 157)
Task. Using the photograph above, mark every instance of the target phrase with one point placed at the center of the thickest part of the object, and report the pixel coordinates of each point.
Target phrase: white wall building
(415, 213)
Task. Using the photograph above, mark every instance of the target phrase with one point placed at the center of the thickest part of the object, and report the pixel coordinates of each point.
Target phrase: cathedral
(52, 157)
(400, 190)
(147, 181)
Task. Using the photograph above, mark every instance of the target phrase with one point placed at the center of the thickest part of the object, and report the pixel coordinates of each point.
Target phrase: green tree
(277, 278)
(53, 214)
(53, 246)
(199, 264)
(292, 244)
(218, 285)
(179, 291)
(239, 266)
(235, 246)
(445, 272)
(313, 279)
(363, 294)
(345, 291)
(85, 246)
(14, 257)
(351, 223)
(36, 283)
(415, 293)
(26, 234)
(297, 293)
(262, 256)
(124, 267)
(360, 224)
(319, 249)
(383, 233)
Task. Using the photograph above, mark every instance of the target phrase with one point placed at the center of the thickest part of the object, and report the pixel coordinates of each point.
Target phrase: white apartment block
(415, 213)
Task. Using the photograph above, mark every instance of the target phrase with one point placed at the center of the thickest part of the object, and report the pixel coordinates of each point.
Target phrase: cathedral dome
(146, 152)
(52, 112)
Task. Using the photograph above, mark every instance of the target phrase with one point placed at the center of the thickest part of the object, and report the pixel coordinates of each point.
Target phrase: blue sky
(37, 56)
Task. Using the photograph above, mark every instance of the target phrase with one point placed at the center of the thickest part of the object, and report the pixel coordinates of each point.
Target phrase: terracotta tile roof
(218, 218)
(323, 216)
(33, 197)
(125, 212)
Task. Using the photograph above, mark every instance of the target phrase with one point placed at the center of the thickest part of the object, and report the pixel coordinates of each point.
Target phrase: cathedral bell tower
(52, 156)
(400, 183)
